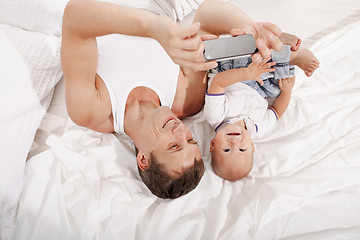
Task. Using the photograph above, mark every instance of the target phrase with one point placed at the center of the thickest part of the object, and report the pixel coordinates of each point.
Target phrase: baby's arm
(282, 101)
(252, 72)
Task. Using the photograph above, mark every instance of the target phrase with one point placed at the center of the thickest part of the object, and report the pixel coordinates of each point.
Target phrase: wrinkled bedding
(305, 183)
(80, 184)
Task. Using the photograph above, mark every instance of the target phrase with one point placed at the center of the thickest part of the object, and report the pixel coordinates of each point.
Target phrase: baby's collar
(246, 120)
(222, 124)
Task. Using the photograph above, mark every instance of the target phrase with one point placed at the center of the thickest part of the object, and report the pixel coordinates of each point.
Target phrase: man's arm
(90, 19)
(224, 18)
(87, 99)
(216, 18)
(95, 18)
(220, 17)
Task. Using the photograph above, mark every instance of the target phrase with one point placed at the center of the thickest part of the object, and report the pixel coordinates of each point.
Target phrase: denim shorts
(271, 87)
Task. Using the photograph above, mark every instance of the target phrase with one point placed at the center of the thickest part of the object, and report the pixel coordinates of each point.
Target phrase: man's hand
(266, 35)
(259, 66)
(183, 44)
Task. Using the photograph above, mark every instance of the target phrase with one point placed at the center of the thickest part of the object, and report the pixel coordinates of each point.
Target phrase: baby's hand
(287, 84)
(260, 66)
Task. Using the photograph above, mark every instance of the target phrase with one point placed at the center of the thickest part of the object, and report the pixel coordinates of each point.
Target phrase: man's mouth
(169, 120)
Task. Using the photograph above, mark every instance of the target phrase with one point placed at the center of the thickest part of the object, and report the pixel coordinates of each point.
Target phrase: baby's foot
(305, 59)
(289, 39)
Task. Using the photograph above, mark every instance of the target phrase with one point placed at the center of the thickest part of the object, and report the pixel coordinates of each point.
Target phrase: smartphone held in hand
(229, 47)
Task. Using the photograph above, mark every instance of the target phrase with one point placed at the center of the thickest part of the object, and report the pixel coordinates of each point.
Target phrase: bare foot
(289, 39)
(306, 60)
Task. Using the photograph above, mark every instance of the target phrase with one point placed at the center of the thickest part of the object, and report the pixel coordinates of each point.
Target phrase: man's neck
(141, 102)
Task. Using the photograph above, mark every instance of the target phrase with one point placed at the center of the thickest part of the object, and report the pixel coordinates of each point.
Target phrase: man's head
(169, 159)
(232, 152)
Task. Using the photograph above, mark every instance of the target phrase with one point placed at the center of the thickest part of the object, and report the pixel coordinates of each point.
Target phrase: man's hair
(164, 185)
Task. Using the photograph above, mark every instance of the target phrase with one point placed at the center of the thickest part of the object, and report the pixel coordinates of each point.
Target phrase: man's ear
(212, 145)
(142, 160)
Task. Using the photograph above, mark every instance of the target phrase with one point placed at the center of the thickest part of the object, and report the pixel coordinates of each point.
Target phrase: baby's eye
(192, 141)
(242, 149)
(227, 150)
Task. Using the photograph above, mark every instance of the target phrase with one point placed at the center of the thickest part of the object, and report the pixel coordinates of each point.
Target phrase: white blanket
(305, 183)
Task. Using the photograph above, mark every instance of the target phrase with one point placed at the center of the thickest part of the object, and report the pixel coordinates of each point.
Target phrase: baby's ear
(253, 147)
(212, 145)
(142, 160)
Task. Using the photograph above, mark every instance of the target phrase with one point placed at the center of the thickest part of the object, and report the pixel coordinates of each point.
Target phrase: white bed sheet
(83, 185)
(305, 183)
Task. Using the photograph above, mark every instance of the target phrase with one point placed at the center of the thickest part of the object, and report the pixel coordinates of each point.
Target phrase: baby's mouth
(233, 134)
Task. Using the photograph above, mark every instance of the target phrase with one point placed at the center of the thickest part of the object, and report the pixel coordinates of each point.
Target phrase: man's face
(170, 141)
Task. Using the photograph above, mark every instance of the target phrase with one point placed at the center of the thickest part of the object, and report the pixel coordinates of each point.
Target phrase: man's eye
(174, 146)
(227, 150)
(242, 149)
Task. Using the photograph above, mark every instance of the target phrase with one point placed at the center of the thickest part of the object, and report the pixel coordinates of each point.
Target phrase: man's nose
(178, 128)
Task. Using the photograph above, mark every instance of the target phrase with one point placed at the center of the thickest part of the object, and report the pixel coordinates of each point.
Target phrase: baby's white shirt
(239, 101)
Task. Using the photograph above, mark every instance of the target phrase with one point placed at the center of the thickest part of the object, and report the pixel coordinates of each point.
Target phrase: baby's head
(232, 151)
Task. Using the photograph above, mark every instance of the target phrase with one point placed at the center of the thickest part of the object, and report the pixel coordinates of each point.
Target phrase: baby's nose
(234, 140)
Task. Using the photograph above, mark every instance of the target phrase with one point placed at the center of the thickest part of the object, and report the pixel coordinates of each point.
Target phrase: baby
(239, 112)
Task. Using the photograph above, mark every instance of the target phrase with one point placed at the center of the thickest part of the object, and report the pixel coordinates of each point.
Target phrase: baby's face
(232, 152)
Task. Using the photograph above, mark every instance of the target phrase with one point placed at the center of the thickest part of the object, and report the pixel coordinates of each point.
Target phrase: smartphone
(229, 47)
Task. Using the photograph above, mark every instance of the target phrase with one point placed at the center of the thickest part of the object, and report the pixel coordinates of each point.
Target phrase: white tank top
(127, 62)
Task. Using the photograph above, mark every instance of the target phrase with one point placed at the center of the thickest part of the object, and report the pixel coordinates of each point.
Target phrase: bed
(62, 181)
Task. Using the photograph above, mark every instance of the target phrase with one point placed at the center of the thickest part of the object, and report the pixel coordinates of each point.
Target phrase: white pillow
(43, 16)
(30, 68)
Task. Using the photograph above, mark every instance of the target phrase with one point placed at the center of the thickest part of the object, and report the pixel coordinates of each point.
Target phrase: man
(133, 86)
